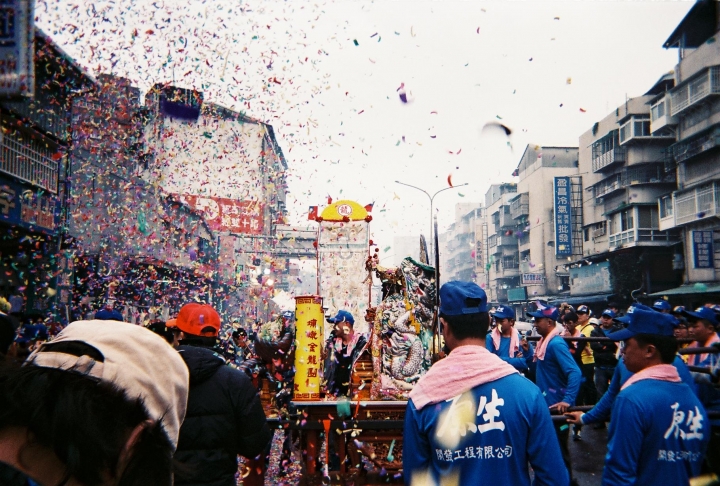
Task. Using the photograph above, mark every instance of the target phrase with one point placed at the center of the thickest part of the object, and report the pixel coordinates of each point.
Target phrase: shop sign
(703, 253)
(222, 214)
(518, 294)
(563, 231)
(34, 208)
(17, 32)
(533, 279)
(590, 279)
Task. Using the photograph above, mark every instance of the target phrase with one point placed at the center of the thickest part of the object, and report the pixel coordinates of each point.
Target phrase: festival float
(363, 431)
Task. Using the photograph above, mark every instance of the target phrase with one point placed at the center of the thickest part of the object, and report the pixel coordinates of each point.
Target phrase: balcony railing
(654, 174)
(28, 160)
(643, 235)
(697, 204)
(686, 150)
(702, 86)
(520, 207)
(47, 116)
(613, 156)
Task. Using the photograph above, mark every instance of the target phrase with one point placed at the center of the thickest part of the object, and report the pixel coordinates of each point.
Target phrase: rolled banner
(309, 322)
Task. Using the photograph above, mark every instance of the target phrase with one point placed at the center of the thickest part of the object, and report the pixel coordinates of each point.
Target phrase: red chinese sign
(222, 214)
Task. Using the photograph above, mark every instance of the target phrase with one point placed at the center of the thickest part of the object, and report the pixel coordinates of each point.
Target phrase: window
(648, 217)
(666, 207)
(621, 221)
(605, 144)
(658, 110)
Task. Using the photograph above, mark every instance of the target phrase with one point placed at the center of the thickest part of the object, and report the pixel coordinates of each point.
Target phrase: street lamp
(430, 256)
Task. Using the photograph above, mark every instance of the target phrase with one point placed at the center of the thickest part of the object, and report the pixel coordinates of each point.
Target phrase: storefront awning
(698, 288)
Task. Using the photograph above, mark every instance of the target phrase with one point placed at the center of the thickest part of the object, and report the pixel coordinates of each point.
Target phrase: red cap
(193, 318)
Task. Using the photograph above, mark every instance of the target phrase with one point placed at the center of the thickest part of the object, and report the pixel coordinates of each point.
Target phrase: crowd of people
(176, 402)
(474, 416)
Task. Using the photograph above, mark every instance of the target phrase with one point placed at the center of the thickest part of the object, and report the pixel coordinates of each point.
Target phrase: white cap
(136, 360)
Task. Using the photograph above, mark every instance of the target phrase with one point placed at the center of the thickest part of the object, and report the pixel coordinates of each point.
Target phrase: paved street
(588, 456)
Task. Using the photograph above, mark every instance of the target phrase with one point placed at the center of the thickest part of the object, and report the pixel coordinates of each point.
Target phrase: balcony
(660, 119)
(697, 204)
(688, 94)
(28, 160)
(47, 116)
(520, 207)
(648, 174)
(614, 156)
(637, 128)
(683, 151)
(643, 236)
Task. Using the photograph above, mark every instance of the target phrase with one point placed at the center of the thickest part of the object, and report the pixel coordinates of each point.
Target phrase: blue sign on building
(703, 250)
(563, 216)
(29, 207)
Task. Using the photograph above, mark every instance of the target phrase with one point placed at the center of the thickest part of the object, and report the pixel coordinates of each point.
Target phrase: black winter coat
(224, 419)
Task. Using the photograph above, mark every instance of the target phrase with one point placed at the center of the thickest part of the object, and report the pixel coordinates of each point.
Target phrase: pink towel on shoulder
(463, 369)
(543, 344)
(514, 341)
(696, 359)
(663, 372)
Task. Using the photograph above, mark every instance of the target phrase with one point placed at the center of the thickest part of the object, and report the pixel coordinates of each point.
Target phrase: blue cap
(504, 313)
(662, 305)
(608, 312)
(454, 298)
(640, 320)
(583, 309)
(678, 309)
(32, 332)
(704, 313)
(342, 316)
(544, 310)
(288, 314)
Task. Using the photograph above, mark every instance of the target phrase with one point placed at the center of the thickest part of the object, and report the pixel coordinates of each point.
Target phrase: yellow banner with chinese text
(309, 321)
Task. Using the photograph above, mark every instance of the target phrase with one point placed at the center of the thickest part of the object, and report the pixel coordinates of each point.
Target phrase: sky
(328, 77)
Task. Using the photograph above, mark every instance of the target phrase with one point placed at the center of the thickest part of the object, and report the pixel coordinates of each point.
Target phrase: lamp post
(430, 257)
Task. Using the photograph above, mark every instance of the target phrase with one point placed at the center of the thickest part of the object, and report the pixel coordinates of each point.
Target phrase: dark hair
(667, 346)
(240, 332)
(158, 327)
(7, 334)
(468, 325)
(86, 423)
(570, 316)
(200, 341)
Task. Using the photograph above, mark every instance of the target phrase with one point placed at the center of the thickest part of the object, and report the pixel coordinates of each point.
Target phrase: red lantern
(368, 218)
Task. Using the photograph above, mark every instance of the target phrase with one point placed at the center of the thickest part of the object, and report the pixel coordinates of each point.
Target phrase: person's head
(583, 314)
(463, 313)
(607, 318)
(159, 328)
(171, 325)
(504, 318)
(199, 325)
(343, 323)
(649, 338)
(545, 318)
(570, 320)
(701, 323)
(101, 404)
(662, 305)
(614, 306)
(240, 337)
(681, 329)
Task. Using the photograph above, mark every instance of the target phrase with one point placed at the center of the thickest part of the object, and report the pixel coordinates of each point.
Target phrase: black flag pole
(436, 320)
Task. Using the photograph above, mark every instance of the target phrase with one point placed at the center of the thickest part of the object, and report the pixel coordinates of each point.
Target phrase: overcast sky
(326, 76)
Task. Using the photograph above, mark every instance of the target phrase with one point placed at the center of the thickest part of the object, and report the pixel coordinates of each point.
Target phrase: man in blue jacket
(506, 342)
(472, 418)
(556, 373)
(659, 430)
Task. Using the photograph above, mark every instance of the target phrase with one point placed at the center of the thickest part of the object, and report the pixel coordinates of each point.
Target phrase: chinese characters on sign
(309, 333)
(703, 250)
(17, 33)
(30, 208)
(533, 278)
(222, 214)
(684, 428)
(563, 216)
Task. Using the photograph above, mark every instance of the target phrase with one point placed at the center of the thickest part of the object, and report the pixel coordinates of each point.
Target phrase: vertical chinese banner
(309, 321)
(563, 223)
